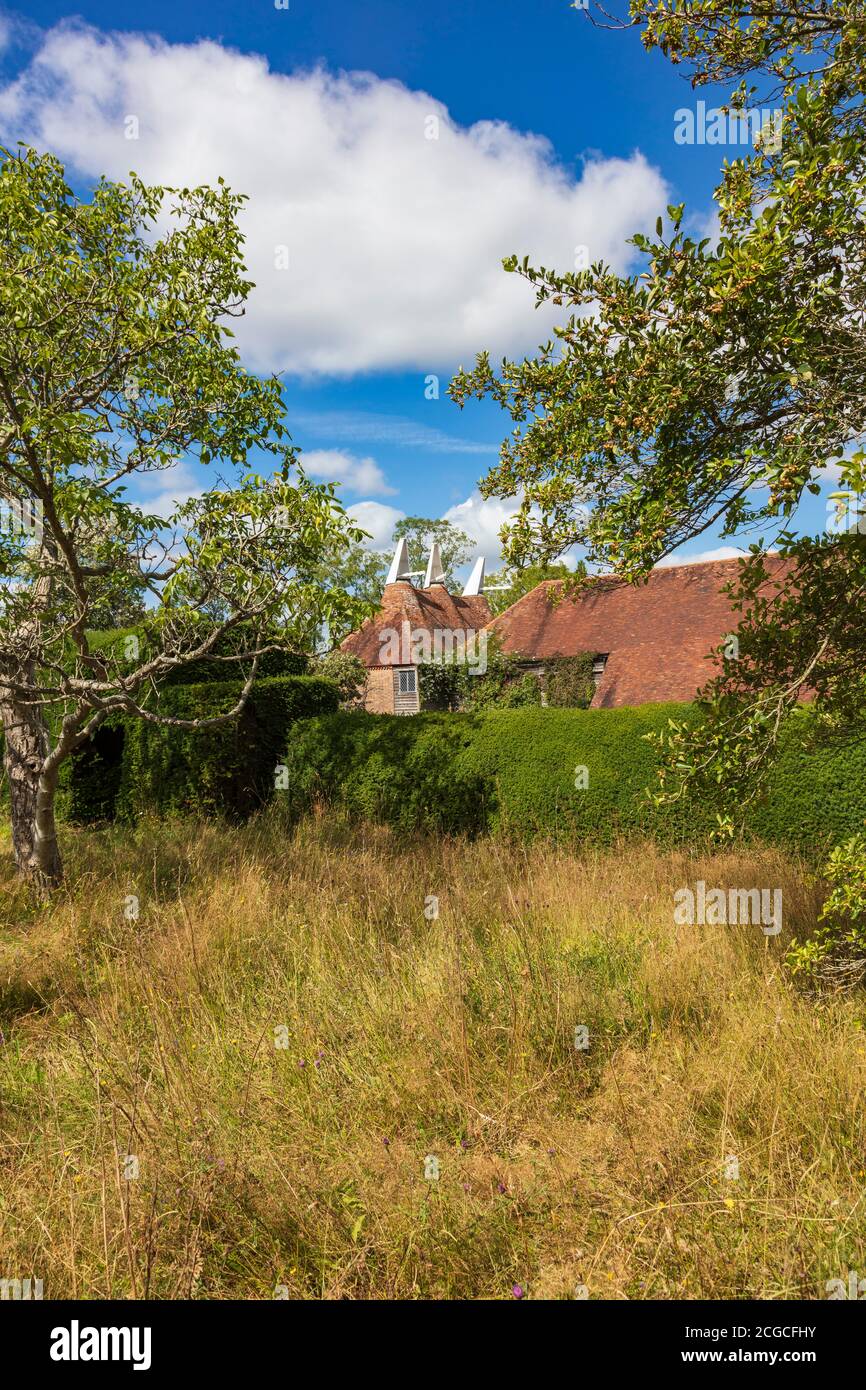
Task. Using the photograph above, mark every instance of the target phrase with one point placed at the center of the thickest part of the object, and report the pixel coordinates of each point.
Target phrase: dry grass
(262, 1166)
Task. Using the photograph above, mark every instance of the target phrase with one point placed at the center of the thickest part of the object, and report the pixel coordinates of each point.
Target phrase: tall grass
(267, 1170)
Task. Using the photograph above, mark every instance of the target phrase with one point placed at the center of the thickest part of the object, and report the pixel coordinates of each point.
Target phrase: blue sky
(392, 153)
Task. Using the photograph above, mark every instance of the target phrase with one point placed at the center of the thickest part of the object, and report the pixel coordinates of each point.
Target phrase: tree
(116, 361)
(716, 370)
(362, 572)
(116, 604)
(354, 570)
(420, 533)
(708, 388)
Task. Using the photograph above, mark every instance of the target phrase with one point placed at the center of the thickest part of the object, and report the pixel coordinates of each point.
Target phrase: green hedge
(516, 770)
(132, 766)
(404, 771)
(816, 799)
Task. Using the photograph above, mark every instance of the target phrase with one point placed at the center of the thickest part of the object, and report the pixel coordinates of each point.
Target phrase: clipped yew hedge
(520, 771)
(131, 765)
(406, 771)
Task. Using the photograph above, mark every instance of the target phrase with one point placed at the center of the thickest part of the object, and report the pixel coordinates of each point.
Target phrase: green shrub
(272, 665)
(815, 796)
(459, 685)
(227, 768)
(441, 685)
(348, 673)
(835, 953)
(90, 779)
(508, 769)
(539, 760)
(509, 691)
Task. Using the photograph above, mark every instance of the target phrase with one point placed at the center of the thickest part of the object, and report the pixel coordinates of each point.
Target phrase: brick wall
(379, 694)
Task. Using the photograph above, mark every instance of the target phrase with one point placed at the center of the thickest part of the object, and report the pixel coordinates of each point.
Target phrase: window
(406, 699)
(598, 666)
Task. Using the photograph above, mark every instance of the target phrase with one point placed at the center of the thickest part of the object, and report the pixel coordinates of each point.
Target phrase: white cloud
(337, 466)
(18, 32)
(483, 520)
(701, 557)
(377, 518)
(394, 240)
(370, 427)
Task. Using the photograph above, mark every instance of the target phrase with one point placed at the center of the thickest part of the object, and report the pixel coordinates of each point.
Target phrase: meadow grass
(267, 1169)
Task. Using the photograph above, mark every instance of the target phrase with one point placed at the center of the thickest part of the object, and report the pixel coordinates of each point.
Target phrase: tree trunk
(31, 792)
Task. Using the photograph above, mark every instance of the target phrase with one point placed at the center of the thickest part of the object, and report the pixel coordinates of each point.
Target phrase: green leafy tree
(116, 604)
(420, 532)
(115, 362)
(353, 570)
(707, 389)
(836, 952)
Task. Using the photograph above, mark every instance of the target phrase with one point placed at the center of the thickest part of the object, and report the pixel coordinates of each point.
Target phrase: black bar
(208, 1337)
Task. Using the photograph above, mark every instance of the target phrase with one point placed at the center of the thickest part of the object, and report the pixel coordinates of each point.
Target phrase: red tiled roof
(424, 610)
(657, 636)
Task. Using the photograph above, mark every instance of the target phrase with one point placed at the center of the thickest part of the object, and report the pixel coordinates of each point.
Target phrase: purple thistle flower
(517, 1290)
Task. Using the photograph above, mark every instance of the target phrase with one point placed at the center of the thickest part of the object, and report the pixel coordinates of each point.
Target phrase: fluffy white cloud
(394, 240)
(479, 519)
(337, 466)
(483, 520)
(377, 518)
